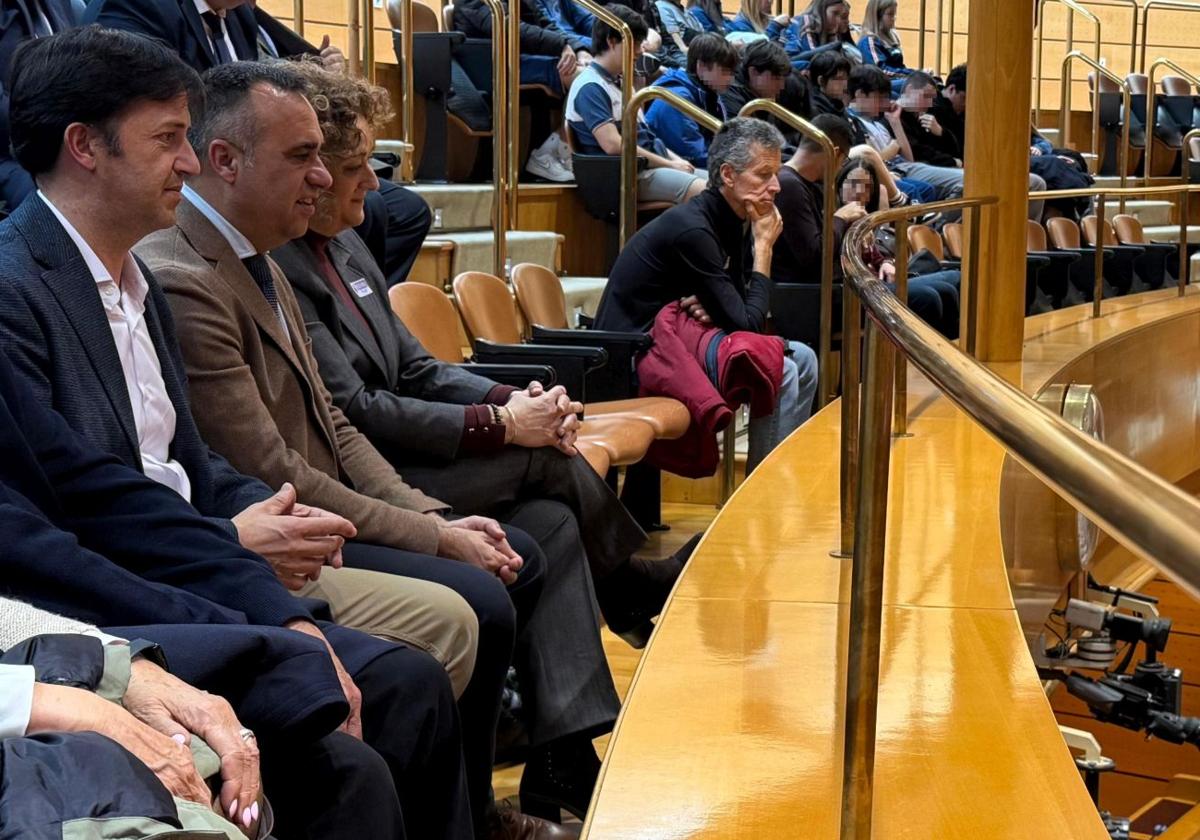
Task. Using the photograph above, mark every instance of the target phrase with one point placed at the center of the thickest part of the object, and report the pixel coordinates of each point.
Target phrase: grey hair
(736, 141)
(228, 113)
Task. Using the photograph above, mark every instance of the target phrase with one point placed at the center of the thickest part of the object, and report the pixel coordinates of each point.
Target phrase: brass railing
(1171, 5)
(628, 220)
(1144, 513)
(1073, 8)
(298, 17)
(827, 385)
(1151, 97)
(633, 106)
(501, 151)
(1064, 110)
(368, 41)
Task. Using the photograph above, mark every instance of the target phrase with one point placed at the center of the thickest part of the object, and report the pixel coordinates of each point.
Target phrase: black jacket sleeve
(121, 548)
(475, 19)
(704, 263)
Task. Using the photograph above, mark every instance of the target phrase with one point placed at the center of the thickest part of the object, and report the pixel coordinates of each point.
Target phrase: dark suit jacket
(86, 536)
(53, 328)
(178, 25)
(16, 27)
(387, 384)
(258, 397)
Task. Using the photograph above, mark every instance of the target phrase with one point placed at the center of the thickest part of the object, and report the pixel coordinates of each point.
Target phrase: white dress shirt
(16, 699)
(236, 239)
(203, 8)
(153, 413)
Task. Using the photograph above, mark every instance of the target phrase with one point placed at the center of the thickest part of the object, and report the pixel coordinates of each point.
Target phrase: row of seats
(1177, 111)
(1061, 259)
(618, 428)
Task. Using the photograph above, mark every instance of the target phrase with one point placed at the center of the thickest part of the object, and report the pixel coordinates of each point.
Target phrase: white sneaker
(545, 164)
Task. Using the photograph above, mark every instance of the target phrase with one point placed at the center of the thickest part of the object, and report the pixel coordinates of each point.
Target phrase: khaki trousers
(424, 615)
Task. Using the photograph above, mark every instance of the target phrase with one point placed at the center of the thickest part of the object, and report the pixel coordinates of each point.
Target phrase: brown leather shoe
(508, 823)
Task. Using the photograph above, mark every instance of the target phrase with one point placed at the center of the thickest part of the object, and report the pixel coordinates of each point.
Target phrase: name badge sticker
(361, 287)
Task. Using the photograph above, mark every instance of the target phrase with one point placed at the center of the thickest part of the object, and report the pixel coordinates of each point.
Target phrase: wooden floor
(685, 520)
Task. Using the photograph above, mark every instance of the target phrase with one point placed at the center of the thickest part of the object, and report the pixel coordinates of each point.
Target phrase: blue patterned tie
(216, 29)
(260, 270)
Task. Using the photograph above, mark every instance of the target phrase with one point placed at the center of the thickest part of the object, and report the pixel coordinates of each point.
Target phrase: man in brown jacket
(260, 402)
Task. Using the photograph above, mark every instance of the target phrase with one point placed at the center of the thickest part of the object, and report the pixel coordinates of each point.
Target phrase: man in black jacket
(931, 142)
(713, 256)
(235, 30)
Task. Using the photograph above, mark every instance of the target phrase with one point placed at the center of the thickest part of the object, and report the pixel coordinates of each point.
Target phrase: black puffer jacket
(539, 35)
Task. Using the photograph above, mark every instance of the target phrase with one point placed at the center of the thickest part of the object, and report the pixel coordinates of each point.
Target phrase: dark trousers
(395, 225)
(496, 484)
(479, 705)
(336, 787)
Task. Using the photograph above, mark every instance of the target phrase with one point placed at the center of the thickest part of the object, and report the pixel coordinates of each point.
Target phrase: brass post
(866, 590)
(851, 341)
(1185, 264)
(1098, 289)
(353, 35)
(921, 30)
(628, 220)
(513, 112)
(1037, 70)
(298, 17)
(407, 91)
(969, 320)
(499, 138)
(952, 35)
(938, 43)
(900, 421)
(368, 41)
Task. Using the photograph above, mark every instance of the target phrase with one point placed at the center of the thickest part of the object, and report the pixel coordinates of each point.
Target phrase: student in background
(754, 18)
(825, 25)
(707, 15)
(829, 73)
(711, 63)
(880, 44)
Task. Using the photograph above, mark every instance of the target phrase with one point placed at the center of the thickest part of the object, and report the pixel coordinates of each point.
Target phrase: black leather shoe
(559, 775)
(633, 595)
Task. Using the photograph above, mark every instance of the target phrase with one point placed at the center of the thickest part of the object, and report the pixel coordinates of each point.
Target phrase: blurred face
(857, 188)
(277, 185)
(142, 173)
(764, 7)
(835, 87)
(918, 100)
(887, 20)
(226, 5)
(766, 84)
(757, 184)
(837, 18)
(714, 76)
(341, 206)
(870, 104)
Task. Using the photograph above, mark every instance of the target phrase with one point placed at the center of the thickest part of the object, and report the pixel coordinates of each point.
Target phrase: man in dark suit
(210, 32)
(21, 20)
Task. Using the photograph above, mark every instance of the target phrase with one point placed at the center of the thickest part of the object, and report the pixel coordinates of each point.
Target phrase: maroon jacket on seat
(750, 370)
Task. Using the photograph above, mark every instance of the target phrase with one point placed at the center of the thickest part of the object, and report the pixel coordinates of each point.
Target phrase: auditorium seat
(1037, 298)
(1054, 280)
(431, 317)
(1125, 276)
(1064, 236)
(1160, 257)
(540, 297)
(923, 237)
